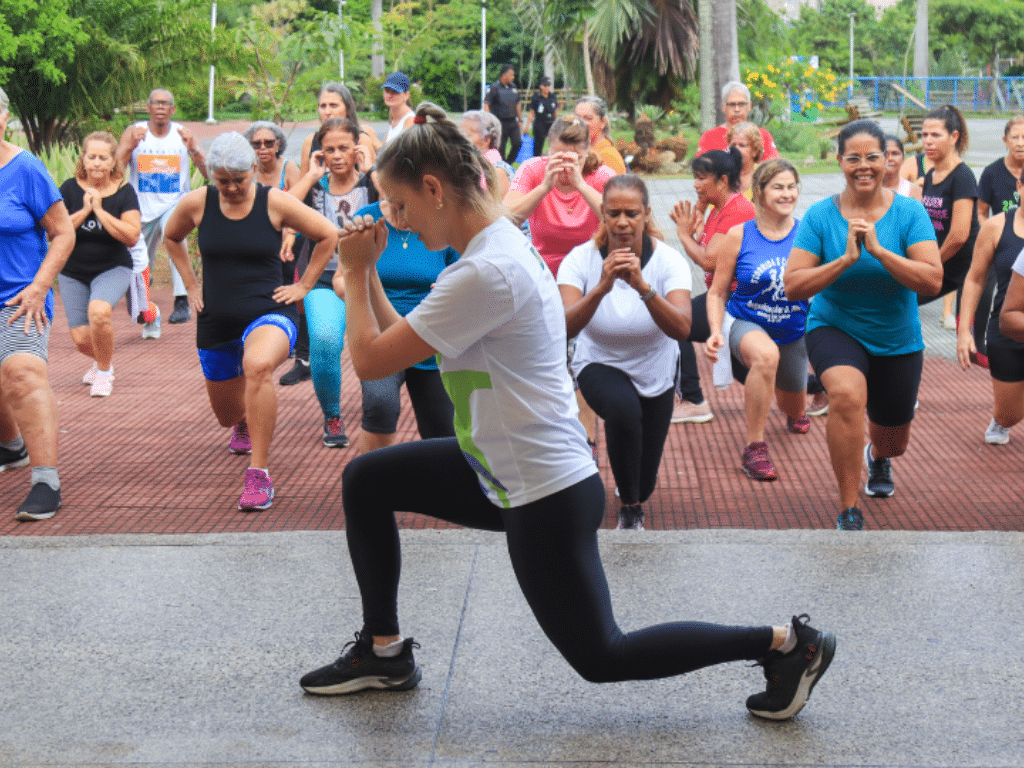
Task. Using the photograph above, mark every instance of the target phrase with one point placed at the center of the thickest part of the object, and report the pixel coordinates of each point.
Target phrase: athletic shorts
(791, 375)
(1005, 358)
(893, 380)
(76, 295)
(14, 340)
(225, 362)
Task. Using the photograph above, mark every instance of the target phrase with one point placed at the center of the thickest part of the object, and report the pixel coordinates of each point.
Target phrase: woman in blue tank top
(762, 327)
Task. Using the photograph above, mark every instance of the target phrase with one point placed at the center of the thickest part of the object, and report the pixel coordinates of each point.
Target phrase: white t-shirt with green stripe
(496, 318)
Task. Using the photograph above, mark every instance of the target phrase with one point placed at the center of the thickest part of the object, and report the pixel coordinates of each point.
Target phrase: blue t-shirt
(407, 269)
(26, 194)
(866, 301)
(760, 295)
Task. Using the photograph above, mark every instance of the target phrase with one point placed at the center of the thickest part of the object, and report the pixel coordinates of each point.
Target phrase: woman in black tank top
(246, 317)
(1000, 241)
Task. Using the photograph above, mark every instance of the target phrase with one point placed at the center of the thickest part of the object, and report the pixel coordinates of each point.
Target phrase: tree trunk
(377, 59)
(726, 50)
(587, 69)
(921, 40)
(708, 97)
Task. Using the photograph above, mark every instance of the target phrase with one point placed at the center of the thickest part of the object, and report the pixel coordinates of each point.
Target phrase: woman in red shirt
(716, 180)
(560, 194)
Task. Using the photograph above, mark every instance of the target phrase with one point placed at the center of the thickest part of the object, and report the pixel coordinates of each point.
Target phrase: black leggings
(552, 544)
(635, 428)
(689, 378)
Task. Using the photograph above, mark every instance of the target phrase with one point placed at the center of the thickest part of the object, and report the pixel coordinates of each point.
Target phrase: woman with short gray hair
(484, 131)
(36, 238)
(246, 323)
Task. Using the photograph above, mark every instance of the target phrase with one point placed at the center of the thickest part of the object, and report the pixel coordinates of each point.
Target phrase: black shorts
(892, 380)
(1005, 357)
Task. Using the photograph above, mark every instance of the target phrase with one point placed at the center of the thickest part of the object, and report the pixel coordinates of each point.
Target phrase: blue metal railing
(968, 93)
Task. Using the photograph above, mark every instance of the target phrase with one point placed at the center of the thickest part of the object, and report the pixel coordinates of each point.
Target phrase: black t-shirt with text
(96, 250)
(938, 200)
(998, 188)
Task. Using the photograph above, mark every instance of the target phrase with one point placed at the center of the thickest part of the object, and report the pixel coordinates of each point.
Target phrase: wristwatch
(646, 297)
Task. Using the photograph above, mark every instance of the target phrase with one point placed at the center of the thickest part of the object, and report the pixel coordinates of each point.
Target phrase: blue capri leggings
(325, 317)
(225, 362)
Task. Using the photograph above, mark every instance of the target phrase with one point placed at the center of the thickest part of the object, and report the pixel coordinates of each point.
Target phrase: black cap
(545, 81)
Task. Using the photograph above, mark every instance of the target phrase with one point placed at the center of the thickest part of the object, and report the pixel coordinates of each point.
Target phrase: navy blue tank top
(241, 270)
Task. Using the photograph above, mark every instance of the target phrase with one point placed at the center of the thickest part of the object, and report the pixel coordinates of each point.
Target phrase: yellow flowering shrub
(774, 87)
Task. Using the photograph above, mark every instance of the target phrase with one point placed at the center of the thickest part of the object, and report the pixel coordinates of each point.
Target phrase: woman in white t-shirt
(627, 298)
(520, 462)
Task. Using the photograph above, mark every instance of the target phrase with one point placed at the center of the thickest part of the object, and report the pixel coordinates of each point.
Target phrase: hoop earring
(440, 204)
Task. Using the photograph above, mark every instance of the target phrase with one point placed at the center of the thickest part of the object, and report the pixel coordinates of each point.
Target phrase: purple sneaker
(240, 442)
(259, 490)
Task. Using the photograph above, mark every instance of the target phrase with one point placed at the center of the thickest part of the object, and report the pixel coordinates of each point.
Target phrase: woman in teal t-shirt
(866, 253)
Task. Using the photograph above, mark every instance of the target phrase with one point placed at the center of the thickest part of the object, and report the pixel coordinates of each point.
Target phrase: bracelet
(646, 297)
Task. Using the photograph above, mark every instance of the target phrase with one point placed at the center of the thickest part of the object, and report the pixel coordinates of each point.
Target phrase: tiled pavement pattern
(151, 458)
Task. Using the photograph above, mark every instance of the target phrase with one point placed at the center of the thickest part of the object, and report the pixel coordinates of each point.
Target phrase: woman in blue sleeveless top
(765, 329)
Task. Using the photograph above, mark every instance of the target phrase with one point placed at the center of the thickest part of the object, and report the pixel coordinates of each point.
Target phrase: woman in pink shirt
(560, 194)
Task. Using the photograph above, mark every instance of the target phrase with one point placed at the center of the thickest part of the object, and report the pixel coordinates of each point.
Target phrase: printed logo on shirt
(159, 173)
(1009, 205)
(935, 211)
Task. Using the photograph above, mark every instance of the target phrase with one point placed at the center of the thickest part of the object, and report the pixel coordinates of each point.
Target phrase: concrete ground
(151, 624)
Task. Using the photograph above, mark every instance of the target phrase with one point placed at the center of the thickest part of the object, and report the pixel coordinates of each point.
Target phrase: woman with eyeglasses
(865, 254)
(272, 170)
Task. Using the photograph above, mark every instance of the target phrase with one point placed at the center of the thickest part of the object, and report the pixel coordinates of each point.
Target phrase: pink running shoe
(102, 383)
(259, 490)
(798, 426)
(240, 442)
(756, 463)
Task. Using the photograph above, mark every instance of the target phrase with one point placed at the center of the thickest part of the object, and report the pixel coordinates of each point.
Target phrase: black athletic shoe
(11, 459)
(851, 519)
(359, 668)
(334, 433)
(182, 313)
(792, 676)
(299, 372)
(631, 518)
(41, 503)
(880, 482)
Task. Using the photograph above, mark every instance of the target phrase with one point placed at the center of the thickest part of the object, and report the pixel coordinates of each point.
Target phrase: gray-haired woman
(484, 130)
(246, 317)
(36, 238)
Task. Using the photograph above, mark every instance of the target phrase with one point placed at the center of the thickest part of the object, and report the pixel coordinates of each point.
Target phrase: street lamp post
(213, 25)
(852, 17)
(483, 52)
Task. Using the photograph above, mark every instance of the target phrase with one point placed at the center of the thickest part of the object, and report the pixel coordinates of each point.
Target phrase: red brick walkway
(151, 458)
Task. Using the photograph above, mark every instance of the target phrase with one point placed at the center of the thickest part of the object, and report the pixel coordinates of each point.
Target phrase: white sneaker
(996, 434)
(152, 330)
(686, 412)
(90, 375)
(103, 384)
(949, 322)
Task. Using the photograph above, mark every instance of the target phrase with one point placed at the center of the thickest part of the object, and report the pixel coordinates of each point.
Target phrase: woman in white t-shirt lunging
(627, 297)
(520, 462)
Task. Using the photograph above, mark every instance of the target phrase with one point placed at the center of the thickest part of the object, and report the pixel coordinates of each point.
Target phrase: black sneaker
(182, 313)
(334, 433)
(792, 676)
(12, 459)
(359, 668)
(851, 519)
(299, 372)
(880, 482)
(41, 503)
(631, 518)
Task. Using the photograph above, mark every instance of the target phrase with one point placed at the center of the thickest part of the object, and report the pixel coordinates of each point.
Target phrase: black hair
(505, 68)
(717, 163)
(896, 140)
(342, 124)
(632, 183)
(952, 120)
(870, 127)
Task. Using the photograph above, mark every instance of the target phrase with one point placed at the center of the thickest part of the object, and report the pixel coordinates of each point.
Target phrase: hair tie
(419, 119)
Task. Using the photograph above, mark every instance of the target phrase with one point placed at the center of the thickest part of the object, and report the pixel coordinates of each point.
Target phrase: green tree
(986, 28)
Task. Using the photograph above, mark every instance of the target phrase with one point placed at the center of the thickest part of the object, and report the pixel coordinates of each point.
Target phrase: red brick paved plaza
(152, 459)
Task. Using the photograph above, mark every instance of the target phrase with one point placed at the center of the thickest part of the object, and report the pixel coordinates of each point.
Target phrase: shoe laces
(334, 426)
(756, 457)
(256, 480)
(242, 430)
(881, 469)
(361, 646)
